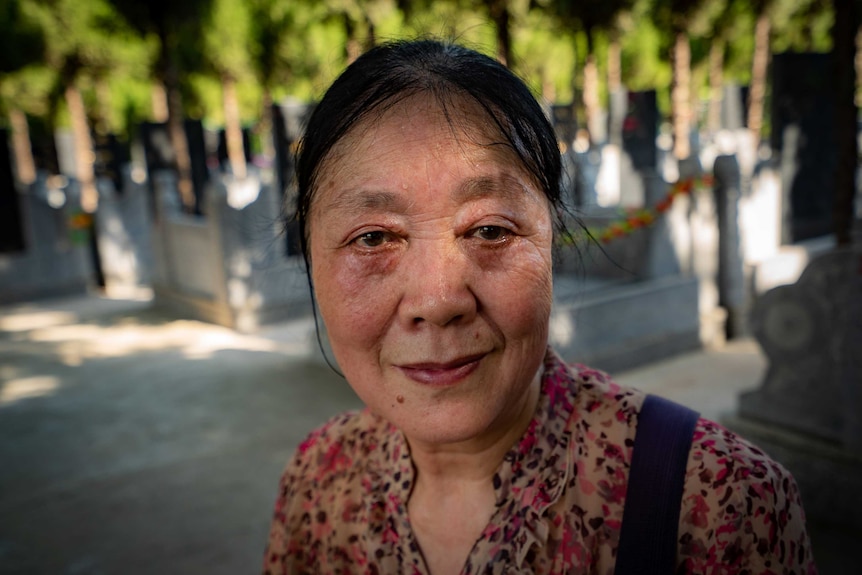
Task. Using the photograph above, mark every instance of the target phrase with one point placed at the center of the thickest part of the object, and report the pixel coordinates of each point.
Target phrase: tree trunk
(233, 128)
(176, 130)
(844, 55)
(266, 127)
(591, 87)
(159, 98)
(498, 10)
(759, 67)
(549, 89)
(83, 149)
(104, 125)
(353, 49)
(181, 149)
(615, 74)
(22, 147)
(716, 84)
(680, 101)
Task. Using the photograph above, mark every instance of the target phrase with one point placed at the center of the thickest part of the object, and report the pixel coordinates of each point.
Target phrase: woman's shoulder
(740, 507)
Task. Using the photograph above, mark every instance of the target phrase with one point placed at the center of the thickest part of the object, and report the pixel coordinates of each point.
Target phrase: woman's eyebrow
(506, 186)
(369, 200)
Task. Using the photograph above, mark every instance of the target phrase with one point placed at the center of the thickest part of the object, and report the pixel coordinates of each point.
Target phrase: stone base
(829, 477)
(622, 326)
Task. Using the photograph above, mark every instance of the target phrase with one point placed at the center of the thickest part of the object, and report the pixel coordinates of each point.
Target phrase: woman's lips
(442, 374)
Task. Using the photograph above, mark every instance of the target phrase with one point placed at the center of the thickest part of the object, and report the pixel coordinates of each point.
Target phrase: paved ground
(132, 442)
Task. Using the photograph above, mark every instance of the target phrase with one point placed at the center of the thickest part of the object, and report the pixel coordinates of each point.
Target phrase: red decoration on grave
(645, 217)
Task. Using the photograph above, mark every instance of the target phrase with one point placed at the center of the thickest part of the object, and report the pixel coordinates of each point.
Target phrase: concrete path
(133, 442)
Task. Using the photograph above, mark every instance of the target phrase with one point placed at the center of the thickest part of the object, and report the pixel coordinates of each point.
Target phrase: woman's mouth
(442, 374)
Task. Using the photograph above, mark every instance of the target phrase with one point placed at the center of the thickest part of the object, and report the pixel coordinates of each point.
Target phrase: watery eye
(372, 239)
(490, 233)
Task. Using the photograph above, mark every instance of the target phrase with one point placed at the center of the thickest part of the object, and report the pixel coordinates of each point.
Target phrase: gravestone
(111, 155)
(803, 102)
(64, 142)
(640, 129)
(11, 230)
(734, 103)
(288, 123)
(159, 154)
(198, 156)
(221, 150)
(808, 412)
(730, 280)
(44, 148)
(565, 123)
(616, 116)
(158, 151)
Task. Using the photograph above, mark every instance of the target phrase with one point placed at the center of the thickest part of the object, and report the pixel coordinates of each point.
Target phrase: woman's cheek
(357, 273)
(358, 292)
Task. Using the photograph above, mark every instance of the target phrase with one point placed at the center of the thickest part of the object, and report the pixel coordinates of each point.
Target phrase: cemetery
(667, 254)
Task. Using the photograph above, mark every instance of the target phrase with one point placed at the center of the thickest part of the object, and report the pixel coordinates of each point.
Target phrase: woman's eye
(372, 239)
(490, 233)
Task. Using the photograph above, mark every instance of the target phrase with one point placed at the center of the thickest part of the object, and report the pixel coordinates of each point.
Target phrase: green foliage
(644, 60)
(295, 48)
(22, 42)
(226, 36)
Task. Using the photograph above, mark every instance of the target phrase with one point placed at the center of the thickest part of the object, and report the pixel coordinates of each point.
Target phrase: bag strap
(648, 536)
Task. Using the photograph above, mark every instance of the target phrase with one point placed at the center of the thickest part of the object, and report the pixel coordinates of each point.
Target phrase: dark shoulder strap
(648, 537)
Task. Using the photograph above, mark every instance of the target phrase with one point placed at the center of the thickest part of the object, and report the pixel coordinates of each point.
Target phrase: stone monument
(11, 230)
(803, 134)
(808, 412)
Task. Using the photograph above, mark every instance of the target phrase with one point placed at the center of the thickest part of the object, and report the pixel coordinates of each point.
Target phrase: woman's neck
(453, 496)
(473, 462)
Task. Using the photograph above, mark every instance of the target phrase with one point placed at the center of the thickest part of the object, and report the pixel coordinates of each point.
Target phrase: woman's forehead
(424, 127)
(439, 121)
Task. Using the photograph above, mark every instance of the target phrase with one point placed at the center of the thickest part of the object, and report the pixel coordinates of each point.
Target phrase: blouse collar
(531, 478)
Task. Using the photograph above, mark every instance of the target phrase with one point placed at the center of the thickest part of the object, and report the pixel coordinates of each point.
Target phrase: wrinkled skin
(431, 260)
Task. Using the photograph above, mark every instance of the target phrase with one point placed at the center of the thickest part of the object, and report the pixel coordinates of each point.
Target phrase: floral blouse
(342, 503)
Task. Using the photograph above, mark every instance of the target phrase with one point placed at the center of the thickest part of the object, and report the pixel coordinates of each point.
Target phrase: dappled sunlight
(16, 389)
(28, 319)
(76, 343)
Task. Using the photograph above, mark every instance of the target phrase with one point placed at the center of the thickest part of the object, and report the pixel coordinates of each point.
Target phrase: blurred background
(158, 354)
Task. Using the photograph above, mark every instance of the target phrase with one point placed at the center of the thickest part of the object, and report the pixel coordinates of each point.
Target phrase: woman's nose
(436, 286)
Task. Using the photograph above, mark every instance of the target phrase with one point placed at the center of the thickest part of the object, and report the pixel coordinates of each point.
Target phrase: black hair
(392, 72)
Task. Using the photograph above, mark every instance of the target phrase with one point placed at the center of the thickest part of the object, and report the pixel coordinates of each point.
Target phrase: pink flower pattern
(342, 502)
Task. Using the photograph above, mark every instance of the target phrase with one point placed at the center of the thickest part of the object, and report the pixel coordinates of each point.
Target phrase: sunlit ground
(135, 442)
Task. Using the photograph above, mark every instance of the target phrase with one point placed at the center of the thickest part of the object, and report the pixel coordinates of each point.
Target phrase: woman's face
(431, 261)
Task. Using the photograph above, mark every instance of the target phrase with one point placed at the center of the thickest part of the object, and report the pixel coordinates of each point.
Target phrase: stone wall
(123, 232)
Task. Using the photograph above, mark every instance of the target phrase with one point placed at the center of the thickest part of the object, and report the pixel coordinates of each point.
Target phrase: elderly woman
(428, 200)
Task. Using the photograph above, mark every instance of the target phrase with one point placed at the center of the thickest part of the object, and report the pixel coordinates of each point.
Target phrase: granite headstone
(803, 99)
(640, 129)
(11, 230)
